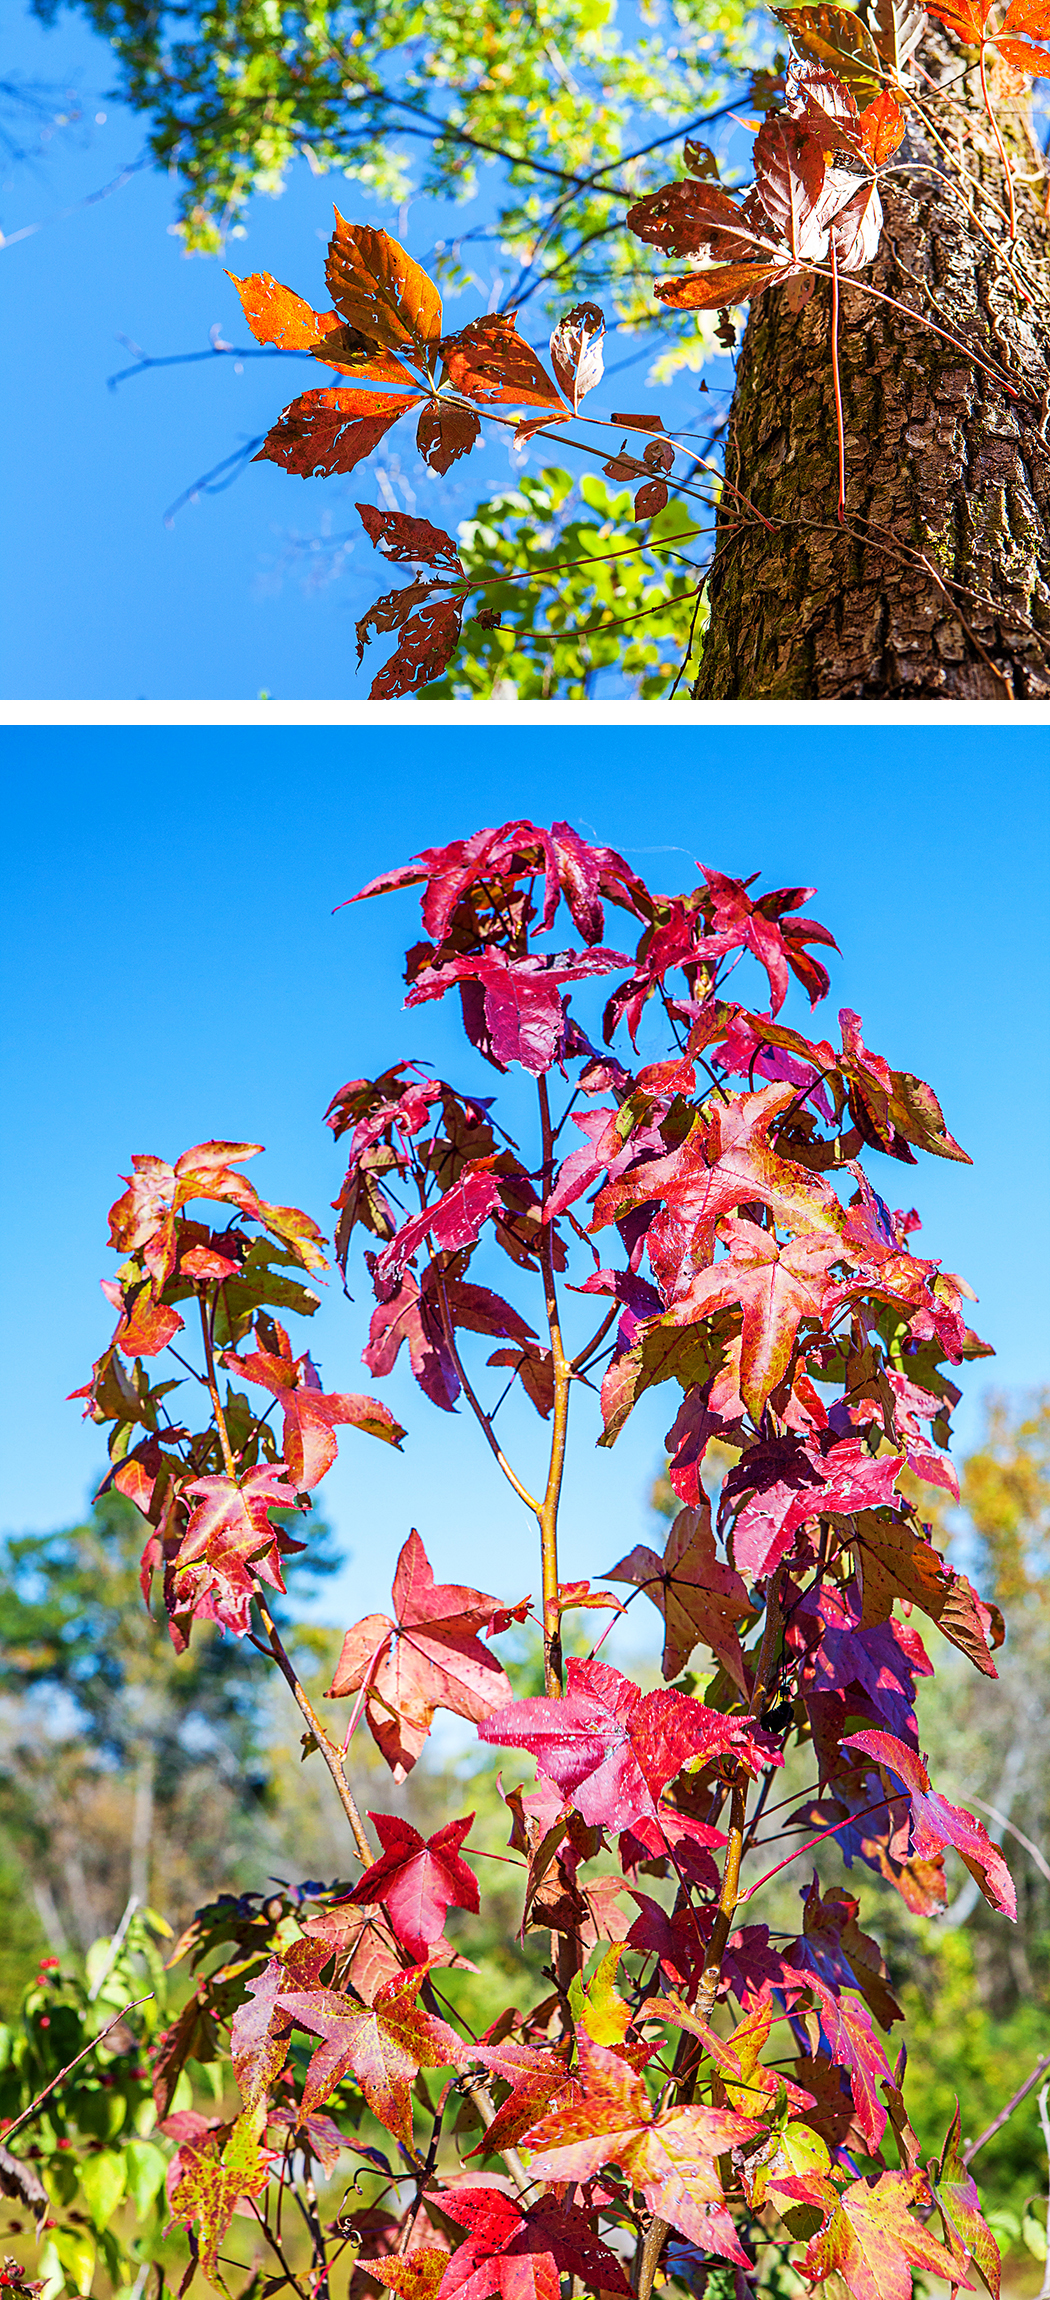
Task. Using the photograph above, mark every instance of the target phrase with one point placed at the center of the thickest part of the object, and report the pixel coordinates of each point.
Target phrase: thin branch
(997, 2123)
(75, 2063)
(1004, 1821)
(562, 1373)
(483, 1419)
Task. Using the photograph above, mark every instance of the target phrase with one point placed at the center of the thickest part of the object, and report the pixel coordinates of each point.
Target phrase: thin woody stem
(34, 2104)
(329, 1752)
(484, 1420)
(1007, 170)
(562, 1373)
(332, 1756)
(229, 1463)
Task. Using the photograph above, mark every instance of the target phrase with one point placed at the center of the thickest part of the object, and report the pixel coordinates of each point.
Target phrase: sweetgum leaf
(671, 2158)
(935, 1823)
(612, 1749)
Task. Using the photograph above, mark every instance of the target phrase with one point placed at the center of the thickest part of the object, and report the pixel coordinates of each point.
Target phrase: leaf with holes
(446, 432)
(840, 39)
(379, 289)
(325, 432)
(576, 351)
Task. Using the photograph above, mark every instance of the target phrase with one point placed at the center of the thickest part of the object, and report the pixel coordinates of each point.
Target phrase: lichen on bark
(938, 583)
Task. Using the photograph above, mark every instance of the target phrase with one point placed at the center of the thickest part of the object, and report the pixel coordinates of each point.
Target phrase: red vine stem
(836, 379)
(1007, 170)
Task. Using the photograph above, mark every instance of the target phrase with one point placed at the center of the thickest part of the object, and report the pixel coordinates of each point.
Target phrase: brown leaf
(650, 499)
(328, 431)
(346, 349)
(576, 351)
(699, 160)
(728, 283)
(789, 179)
(377, 288)
(277, 316)
(857, 228)
(428, 642)
(659, 455)
(839, 38)
(399, 537)
(488, 359)
(639, 422)
(445, 432)
(535, 1369)
(682, 218)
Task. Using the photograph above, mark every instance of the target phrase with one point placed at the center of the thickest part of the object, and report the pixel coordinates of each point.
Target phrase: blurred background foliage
(137, 1785)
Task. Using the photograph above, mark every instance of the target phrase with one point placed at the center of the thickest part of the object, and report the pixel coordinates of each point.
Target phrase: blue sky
(173, 969)
(100, 600)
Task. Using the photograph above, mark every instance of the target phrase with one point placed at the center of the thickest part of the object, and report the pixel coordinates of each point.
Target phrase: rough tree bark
(947, 476)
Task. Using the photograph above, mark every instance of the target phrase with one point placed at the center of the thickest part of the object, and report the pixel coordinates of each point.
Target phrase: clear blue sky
(172, 970)
(98, 598)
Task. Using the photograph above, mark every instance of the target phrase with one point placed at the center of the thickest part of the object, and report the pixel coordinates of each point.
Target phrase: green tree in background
(541, 643)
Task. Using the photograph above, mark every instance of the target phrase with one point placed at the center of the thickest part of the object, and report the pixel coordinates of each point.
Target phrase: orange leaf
(1026, 59)
(378, 289)
(966, 18)
(329, 431)
(1031, 17)
(445, 433)
(489, 360)
(729, 283)
(882, 127)
(277, 316)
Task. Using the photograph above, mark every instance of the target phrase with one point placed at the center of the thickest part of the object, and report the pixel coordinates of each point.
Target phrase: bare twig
(71, 2064)
(997, 2123)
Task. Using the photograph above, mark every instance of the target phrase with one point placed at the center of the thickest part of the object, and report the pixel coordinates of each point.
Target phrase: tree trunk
(938, 583)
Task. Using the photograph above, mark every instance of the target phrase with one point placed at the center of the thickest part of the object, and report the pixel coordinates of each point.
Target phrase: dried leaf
(708, 291)
(325, 432)
(445, 432)
(576, 351)
(489, 360)
(399, 537)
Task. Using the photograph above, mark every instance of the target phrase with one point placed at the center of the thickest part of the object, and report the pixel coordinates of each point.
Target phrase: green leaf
(146, 2167)
(103, 2178)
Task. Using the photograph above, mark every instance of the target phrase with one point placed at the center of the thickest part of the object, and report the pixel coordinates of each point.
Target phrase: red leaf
(428, 641)
(399, 537)
(454, 1220)
(427, 1658)
(519, 2253)
(446, 432)
(310, 1416)
(328, 431)
(488, 359)
(650, 499)
(535, 1367)
(612, 1749)
(936, 1823)
(523, 1011)
(384, 2044)
(418, 1880)
(230, 1539)
(857, 228)
(777, 1286)
(789, 1482)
